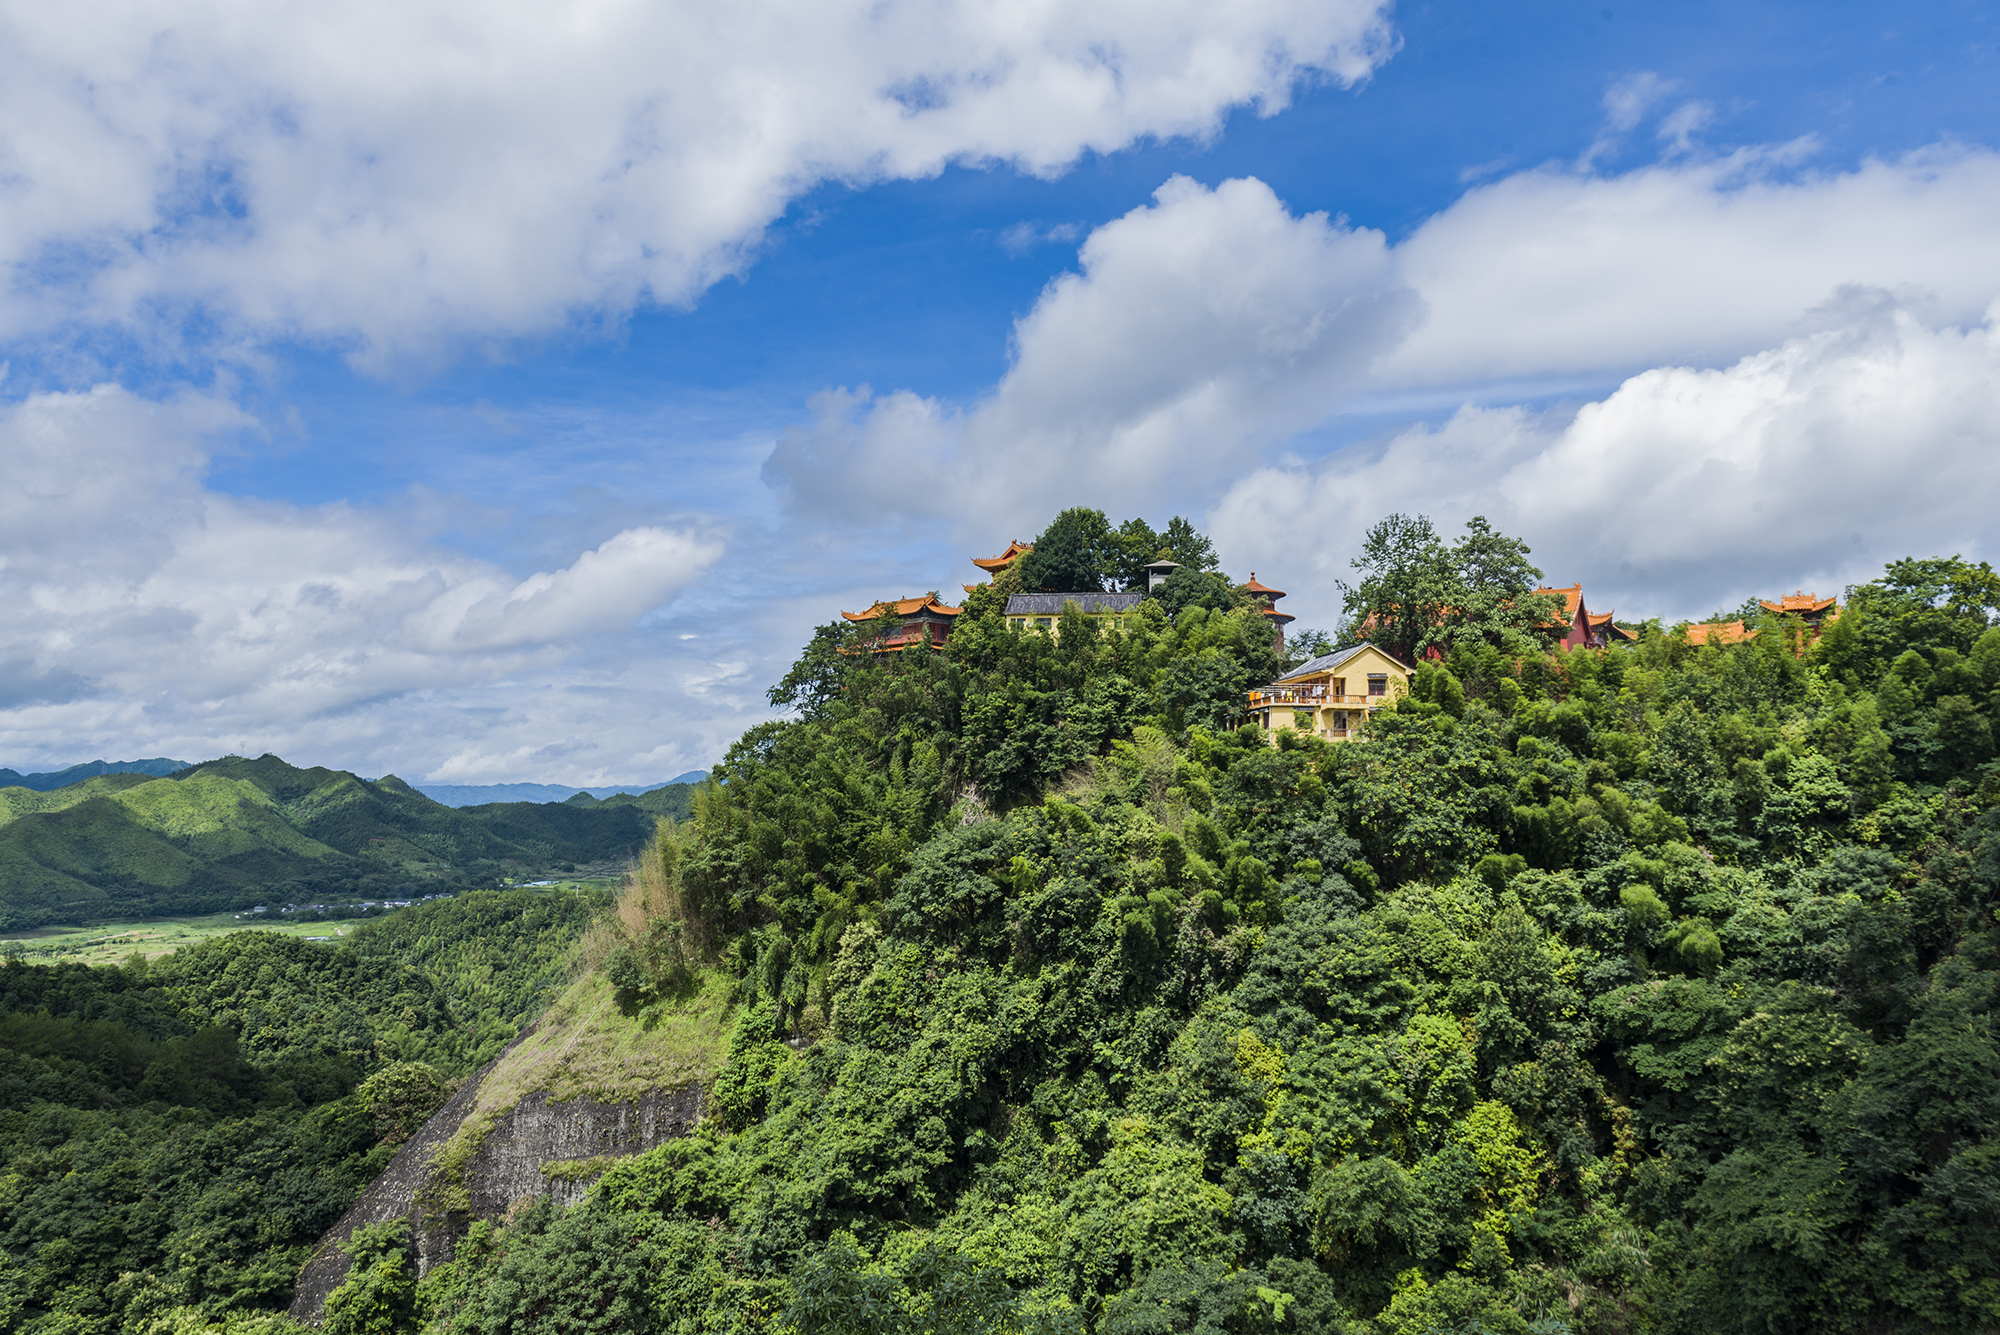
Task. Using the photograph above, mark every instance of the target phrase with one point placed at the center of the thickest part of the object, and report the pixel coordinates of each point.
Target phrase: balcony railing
(1312, 695)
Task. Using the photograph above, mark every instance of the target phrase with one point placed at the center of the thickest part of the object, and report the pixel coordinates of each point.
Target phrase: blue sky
(434, 391)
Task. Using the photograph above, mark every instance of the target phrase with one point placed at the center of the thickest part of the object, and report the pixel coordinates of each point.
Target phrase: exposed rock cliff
(580, 1090)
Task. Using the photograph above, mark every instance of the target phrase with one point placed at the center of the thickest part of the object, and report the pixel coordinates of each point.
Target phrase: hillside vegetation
(233, 833)
(1647, 989)
(175, 1136)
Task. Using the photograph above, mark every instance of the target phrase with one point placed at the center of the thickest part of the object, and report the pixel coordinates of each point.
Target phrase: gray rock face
(505, 1171)
(508, 1168)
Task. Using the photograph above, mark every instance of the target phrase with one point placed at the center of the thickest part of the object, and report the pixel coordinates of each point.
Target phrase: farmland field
(109, 943)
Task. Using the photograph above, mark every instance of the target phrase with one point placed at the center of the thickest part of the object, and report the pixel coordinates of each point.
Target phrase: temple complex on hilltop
(918, 620)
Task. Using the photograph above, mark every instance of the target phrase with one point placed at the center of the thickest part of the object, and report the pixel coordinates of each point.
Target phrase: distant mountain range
(478, 794)
(63, 778)
(231, 833)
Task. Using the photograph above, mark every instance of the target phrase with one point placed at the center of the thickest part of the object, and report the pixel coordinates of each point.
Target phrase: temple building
(1583, 628)
(1721, 632)
(1332, 696)
(1810, 608)
(1605, 631)
(1269, 596)
(993, 565)
(918, 620)
(1042, 611)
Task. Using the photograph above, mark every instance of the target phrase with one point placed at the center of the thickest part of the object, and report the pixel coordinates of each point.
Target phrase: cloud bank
(388, 175)
(137, 603)
(1686, 490)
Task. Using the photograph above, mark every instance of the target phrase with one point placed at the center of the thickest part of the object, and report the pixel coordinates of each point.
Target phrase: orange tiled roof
(905, 607)
(1719, 632)
(1571, 597)
(1264, 590)
(1601, 618)
(1797, 602)
(994, 564)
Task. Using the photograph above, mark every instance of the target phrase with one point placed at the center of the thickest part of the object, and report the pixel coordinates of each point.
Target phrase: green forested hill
(674, 799)
(234, 832)
(1650, 989)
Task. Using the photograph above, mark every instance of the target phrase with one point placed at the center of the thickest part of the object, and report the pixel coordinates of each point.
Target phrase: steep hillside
(1646, 989)
(235, 832)
(589, 1087)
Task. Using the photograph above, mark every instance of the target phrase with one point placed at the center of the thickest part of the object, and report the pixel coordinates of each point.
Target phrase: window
(1378, 683)
(1042, 623)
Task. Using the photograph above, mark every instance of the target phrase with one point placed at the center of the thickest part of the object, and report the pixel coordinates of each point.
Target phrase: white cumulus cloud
(1805, 465)
(1199, 329)
(1555, 275)
(392, 174)
(140, 607)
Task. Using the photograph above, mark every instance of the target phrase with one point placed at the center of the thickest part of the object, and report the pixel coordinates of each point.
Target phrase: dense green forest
(176, 1135)
(1647, 989)
(233, 833)
(1639, 990)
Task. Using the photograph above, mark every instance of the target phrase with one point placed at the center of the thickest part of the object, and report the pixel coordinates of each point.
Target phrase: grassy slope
(18, 802)
(586, 1047)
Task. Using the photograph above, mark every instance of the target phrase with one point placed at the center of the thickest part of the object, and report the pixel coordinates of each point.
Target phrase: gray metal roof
(1327, 662)
(1051, 604)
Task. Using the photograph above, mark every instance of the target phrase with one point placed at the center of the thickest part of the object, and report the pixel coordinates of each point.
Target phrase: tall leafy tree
(1407, 587)
(1073, 554)
(1496, 600)
(1418, 594)
(815, 680)
(1138, 547)
(1181, 542)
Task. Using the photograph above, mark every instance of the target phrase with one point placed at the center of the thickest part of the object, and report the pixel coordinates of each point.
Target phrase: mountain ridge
(481, 794)
(158, 767)
(231, 833)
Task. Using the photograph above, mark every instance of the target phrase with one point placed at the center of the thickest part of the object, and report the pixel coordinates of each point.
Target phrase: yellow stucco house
(1333, 695)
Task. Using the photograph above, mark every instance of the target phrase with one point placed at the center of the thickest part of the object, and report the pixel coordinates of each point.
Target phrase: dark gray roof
(1327, 662)
(1051, 604)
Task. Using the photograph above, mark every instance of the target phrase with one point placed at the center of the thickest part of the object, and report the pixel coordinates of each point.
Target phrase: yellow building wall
(1051, 625)
(1333, 704)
